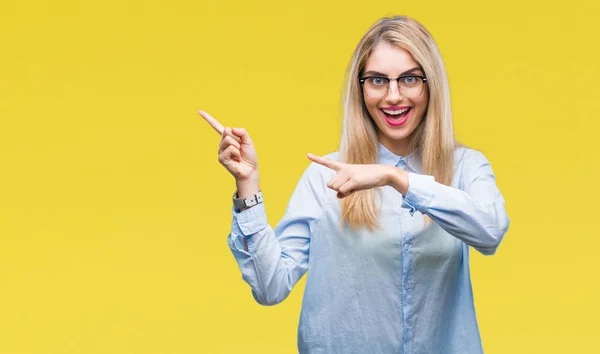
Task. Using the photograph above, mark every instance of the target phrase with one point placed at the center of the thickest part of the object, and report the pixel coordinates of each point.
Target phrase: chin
(398, 137)
(398, 133)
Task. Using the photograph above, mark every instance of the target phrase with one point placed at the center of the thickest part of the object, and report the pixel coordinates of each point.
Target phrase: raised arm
(271, 260)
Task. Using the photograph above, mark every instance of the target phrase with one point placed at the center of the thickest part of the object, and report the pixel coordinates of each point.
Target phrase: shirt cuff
(249, 221)
(420, 193)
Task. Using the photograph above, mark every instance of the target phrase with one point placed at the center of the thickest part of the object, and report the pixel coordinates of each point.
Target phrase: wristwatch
(242, 203)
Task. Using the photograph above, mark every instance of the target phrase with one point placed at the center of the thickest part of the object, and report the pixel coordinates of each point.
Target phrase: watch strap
(250, 201)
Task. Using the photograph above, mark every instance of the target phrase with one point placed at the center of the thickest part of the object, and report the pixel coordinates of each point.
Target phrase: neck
(398, 147)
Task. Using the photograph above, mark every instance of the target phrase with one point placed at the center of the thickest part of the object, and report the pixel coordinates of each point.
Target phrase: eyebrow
(372, 72)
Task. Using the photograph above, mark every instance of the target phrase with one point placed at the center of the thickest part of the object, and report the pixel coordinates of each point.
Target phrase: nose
(394, 95)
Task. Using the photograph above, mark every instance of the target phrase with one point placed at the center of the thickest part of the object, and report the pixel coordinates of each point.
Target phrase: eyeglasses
(408, 85)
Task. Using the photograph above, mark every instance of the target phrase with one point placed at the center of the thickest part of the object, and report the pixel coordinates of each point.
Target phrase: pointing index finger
(334, 165)
(218, 127)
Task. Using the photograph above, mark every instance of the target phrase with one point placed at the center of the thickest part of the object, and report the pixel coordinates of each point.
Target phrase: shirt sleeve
(476, 215)
(277, 258)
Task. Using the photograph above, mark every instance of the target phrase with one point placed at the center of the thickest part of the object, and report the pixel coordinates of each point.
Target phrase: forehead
(389, 59)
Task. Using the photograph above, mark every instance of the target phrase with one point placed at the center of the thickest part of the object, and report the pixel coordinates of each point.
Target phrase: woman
(385, 225)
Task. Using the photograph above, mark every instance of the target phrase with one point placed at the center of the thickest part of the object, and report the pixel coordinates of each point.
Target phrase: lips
(396, 116)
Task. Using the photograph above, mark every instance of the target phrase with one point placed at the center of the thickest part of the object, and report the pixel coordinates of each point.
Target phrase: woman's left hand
(352, 177)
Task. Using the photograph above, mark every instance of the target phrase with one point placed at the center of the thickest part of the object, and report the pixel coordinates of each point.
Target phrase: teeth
(396, 112)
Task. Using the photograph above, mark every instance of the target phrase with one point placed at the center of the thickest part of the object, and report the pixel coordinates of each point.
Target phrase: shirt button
(406, 246)
(407, 286)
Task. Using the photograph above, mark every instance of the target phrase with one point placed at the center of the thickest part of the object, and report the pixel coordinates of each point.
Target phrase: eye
(377, 81)
(409, 80)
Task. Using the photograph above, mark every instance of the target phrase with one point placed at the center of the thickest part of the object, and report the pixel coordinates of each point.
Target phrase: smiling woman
(383, 102)
(386, 224)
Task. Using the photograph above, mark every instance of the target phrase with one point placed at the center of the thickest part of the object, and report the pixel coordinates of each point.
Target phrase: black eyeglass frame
(389, 79)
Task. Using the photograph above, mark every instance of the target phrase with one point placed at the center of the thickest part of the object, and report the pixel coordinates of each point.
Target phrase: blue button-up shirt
(405, 288)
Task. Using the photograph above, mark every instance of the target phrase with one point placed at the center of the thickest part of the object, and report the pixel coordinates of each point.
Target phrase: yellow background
(114, 211)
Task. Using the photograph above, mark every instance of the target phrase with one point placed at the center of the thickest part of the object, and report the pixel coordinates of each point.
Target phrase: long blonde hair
(432, 142)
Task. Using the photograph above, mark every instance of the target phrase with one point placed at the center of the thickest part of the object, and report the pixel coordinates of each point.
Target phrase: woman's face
(396, 114)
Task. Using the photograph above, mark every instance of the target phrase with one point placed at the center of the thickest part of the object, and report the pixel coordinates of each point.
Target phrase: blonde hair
(432, 142)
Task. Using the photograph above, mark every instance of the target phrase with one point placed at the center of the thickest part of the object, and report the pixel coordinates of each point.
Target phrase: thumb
(243, 134)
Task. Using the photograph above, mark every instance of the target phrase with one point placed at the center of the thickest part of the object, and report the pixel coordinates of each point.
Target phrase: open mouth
(396, 117)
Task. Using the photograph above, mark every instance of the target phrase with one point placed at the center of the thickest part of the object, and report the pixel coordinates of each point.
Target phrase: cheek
(421, 108)
(425, 99)
(422, 104)
(371, 105)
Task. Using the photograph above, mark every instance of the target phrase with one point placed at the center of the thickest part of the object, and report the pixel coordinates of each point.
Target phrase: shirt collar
(386, 157)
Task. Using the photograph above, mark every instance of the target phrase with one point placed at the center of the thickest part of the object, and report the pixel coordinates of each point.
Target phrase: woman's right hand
(236, 153)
